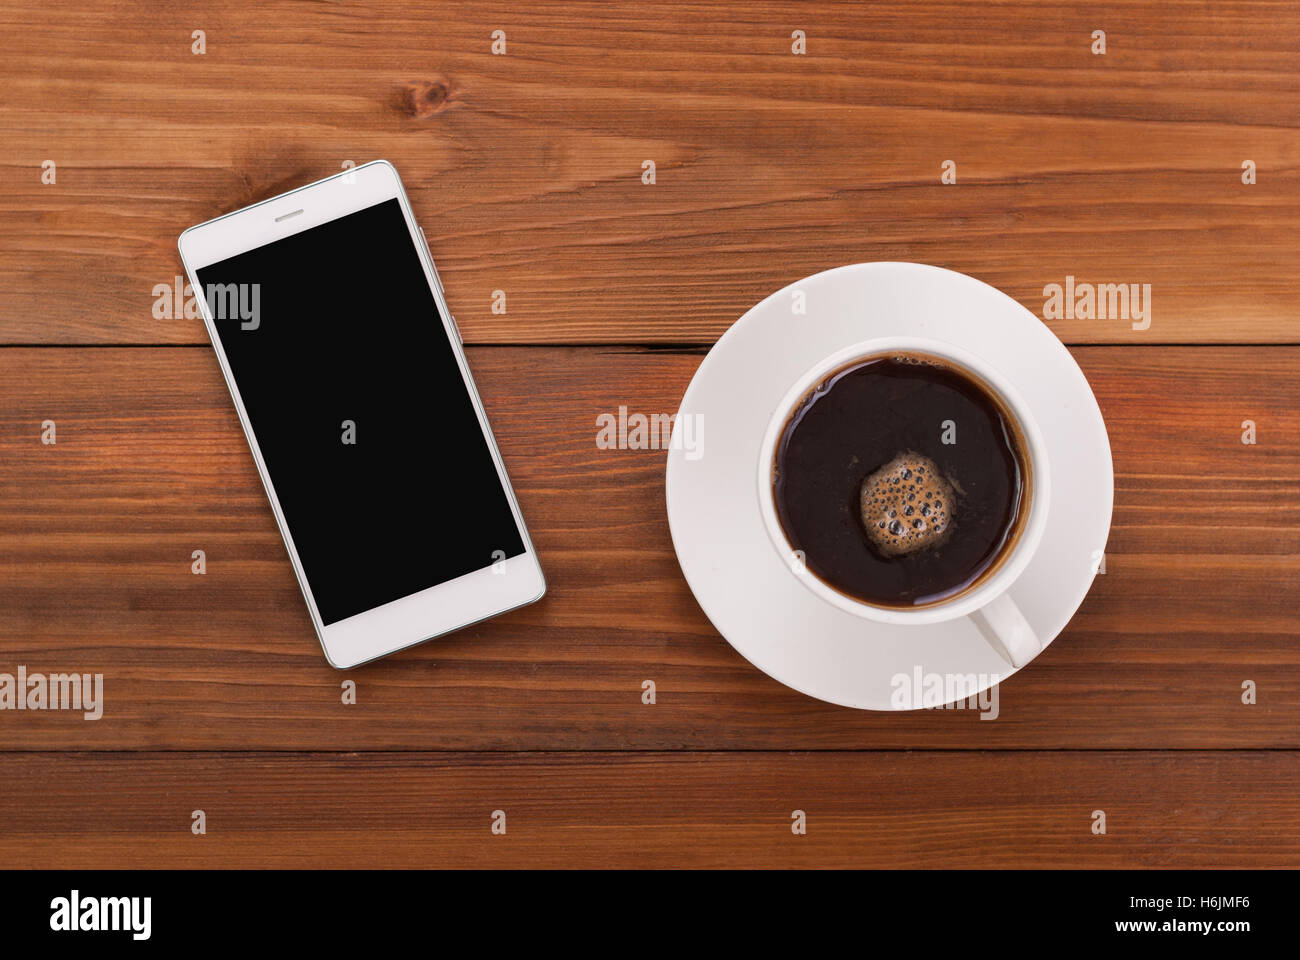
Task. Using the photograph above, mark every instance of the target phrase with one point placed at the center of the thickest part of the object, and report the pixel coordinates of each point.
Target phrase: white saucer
(746, 587)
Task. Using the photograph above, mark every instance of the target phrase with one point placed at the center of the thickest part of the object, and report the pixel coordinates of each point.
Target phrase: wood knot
(423, 98)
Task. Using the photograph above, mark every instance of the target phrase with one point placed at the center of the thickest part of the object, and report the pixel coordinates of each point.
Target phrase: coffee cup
(986, 600)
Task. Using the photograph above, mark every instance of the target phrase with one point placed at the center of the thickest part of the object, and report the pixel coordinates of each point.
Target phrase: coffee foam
(907, 505)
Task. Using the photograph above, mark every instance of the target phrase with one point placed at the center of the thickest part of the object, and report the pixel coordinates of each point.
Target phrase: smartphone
(347, 371)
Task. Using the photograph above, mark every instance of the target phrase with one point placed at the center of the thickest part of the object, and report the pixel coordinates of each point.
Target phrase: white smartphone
(347, 370)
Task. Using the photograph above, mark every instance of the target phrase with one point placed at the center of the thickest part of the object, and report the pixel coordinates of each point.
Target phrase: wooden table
(526, 168)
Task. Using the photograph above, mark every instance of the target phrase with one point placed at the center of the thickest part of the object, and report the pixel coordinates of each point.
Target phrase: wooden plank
(97, 531)
(862, 809)
(526, 168)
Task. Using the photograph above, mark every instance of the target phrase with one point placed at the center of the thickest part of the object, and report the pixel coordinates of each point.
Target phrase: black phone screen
(364, 421)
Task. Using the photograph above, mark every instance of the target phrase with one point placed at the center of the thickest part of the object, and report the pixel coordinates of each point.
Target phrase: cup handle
(1007, 630)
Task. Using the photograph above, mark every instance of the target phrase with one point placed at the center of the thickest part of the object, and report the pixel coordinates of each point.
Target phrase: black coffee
(902, 479)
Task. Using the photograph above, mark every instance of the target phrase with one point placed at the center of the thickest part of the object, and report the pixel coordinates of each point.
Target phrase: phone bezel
(501, 586)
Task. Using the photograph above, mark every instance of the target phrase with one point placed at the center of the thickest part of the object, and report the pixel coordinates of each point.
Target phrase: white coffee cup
(987, 601)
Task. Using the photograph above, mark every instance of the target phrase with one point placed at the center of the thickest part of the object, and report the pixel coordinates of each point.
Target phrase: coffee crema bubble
(906, 505)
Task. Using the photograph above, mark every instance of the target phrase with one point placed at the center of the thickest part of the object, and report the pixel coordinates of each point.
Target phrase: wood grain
(526, 168)
(1203, 570)
(951, 810)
